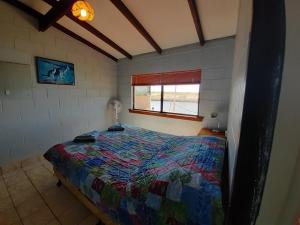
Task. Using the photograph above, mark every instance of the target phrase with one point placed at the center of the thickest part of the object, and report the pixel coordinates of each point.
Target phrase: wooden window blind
(167, 78)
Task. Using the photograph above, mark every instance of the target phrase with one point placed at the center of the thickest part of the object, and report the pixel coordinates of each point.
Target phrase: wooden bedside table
(217, 133)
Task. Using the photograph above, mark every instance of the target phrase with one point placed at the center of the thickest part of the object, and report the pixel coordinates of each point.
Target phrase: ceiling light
(83, 13)
(83, 10)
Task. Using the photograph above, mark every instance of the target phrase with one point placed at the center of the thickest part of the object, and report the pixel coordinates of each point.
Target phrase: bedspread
(142, 177)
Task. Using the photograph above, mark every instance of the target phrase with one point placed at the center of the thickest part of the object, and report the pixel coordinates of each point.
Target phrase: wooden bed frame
(104, 219)
(225, 183)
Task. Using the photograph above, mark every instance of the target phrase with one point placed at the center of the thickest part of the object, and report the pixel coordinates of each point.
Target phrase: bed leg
(58, 184)
(100, 223)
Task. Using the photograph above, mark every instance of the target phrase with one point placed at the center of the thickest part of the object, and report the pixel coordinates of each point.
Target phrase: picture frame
(50, 71)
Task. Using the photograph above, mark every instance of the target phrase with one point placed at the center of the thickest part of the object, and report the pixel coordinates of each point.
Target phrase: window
(147, 97)
(173, 94)
(181, 99)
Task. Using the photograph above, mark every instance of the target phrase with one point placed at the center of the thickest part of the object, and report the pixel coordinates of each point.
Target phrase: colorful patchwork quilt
(142, 177)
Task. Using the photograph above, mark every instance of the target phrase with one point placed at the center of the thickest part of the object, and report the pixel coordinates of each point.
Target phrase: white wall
(238, 83)
(36, 116)
(214, 59)
(281, 199)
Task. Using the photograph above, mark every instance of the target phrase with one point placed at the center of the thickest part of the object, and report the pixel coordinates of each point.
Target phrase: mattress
(142, 177)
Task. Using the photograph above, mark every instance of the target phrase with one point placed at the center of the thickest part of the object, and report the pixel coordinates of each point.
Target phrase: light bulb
(82, 10)
(83, 13)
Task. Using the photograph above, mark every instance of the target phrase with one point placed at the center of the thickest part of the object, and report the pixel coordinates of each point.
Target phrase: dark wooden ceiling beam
(55, 13)
(24, 8)
(196, 18)
(82, 40)
(134, 21)
(93, 30)
(100, 35)
(38, 15)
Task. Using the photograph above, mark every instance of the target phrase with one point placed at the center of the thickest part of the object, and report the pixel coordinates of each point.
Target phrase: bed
(142, 177)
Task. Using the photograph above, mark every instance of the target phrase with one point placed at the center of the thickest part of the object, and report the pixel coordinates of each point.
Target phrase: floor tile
(20, 195)
(43, 179)
(11, 167)
(16, 185)
(12, 175)
(9, 217)
(30, 206)
(30, 163)
(6, 203)
(38, 171)
(47, 165)
(42, 216)
(3, 190)
(59, 200)
(55, 222)
(28, 191)
(90, 220)
(74, 215)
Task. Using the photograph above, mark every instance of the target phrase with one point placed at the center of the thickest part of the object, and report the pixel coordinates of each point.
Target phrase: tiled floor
(29, 196)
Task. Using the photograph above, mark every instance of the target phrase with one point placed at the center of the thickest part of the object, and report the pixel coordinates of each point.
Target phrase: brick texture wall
(36, 116)
(214, 59)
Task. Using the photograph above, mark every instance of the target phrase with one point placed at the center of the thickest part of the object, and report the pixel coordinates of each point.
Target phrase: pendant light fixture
(83, 10)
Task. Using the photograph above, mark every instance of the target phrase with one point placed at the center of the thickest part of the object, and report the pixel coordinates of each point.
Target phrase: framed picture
(51, 71)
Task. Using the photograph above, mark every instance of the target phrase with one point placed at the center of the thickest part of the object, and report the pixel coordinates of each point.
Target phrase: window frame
(161, 113)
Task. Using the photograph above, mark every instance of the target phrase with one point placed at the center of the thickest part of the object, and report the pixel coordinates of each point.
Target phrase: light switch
(7, 92)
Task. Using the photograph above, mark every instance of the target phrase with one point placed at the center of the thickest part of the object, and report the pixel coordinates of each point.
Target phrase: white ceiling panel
(169, 22)
(38, 5)
(71, 25)
(43, 8)
(218, 17)
(113, 24)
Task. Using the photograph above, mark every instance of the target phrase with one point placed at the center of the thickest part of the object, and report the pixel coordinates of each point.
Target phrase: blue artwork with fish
(55, 72)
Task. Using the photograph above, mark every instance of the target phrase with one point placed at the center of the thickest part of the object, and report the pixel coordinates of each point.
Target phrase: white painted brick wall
(214, 59)
(36, 116)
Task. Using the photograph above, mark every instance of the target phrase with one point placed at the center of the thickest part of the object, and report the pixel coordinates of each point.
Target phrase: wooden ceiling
(124, 28)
